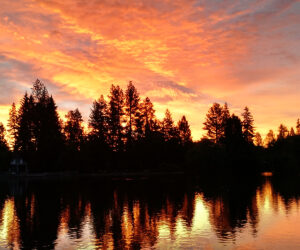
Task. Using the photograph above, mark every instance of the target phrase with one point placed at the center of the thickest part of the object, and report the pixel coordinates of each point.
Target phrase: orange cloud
(183, 54)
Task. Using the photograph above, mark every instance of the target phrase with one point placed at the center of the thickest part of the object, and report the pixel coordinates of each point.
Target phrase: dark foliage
(125, 135)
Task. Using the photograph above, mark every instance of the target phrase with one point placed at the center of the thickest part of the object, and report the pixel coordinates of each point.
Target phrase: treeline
(232, 146)
(125, 135)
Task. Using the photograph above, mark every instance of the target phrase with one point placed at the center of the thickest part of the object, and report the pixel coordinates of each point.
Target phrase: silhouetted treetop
(99, 120)
(132, 112)
(282, 132)
(248, 128)
(298, 126)
(258, 139)
(184, 131)
(3, 142)
(270, 138)
(215, 122)
(73, 129)
(13, 125)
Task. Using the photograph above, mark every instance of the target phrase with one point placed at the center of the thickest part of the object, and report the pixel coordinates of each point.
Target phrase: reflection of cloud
(190, 51)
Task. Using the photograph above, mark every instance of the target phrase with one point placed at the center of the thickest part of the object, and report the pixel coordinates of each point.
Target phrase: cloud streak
(182, 54)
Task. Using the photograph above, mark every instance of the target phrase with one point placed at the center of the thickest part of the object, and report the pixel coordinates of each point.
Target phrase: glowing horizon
(183, 55)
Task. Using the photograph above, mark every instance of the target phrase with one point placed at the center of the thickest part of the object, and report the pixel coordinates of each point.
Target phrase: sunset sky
(183, 55)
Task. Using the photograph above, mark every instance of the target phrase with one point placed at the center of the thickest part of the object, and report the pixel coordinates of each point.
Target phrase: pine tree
(74, 130)
(98, 120)
(214, 123)
(148, 116)
(132, 111)
(13, 125)
(270, 138)
(233, 135)
(168, 129)
(116, 118)
(3, 142)
(39, 91)
(184, 131)
(25, 137)
(225, 113)
(282, 132)
(248, 128)
(292, 132)
(298, 127)
(258, 139)
(39, 130)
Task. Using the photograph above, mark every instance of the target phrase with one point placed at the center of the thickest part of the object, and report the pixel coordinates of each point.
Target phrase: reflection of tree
(231, 207)
(38, 212)
(287, 190)
(132, 214)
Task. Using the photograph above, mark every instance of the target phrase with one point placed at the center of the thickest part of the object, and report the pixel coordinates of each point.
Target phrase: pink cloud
(183, 54)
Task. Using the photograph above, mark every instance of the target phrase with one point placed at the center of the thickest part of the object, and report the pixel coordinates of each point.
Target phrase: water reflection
(72, 214)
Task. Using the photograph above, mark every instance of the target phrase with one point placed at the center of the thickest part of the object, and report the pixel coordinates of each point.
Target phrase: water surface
(160, 213)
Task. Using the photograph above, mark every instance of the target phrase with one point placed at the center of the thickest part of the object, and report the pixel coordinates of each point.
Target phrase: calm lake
(156, 213)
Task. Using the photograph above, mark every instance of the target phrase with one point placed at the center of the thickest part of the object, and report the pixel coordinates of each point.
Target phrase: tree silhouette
(282, 132)
(4, 152)
(116, 113)
(38, 135)
(214, 123)
(292, 132)
(233, 131)
(13, 125)
(24, 140)
(98, 120)
(38, 128)
(132, 111)
(3, 142)
(184, 131)
(168, 129)
(148, 116)
(298, 126)
(74, 130)
(248, 128)
(258, 139)
(270, 138)
(225, 113)
(39, 91)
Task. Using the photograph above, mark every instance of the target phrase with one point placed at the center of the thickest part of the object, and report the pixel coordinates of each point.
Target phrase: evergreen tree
(292, 132)
(214, 123)
(270, 138)
(248, 128)
(148, 116)
(3, 142)
(116, 119)
(282, 132)
(74, 130)
(298, 127)
(258, 139)
(39, 91)
(25, 138)
(168, 129)
(47, 132)
(233, 135)
(52, 127)
(184, 131)
(225, 113)
(4, 151)
(132, 111)
(39, 131)
(98, 121)
(13, 125)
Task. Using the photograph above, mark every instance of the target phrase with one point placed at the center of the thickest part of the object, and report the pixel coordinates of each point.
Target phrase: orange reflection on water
(9, 227)
(265, 215)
